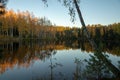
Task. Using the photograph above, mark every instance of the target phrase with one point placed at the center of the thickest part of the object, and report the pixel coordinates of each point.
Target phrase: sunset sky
(94, 11)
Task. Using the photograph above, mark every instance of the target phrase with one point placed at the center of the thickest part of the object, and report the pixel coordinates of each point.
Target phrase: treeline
(97, 32)
(24, 25)
(108, 36)
(105, 36)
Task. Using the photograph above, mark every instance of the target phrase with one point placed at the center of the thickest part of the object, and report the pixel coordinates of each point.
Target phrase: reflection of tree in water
(96, 68)
(85, 46)
(53, 64)
(78, 74)
(119, 65)
(12, 54)
(24, 54)
(99, 66)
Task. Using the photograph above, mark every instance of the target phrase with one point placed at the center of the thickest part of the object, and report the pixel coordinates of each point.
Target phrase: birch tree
(73, 6)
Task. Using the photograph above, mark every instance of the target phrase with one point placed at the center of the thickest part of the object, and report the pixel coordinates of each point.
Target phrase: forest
(25, 26)
(30, 45)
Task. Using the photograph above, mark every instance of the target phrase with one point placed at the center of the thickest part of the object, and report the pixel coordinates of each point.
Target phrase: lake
(43, 60)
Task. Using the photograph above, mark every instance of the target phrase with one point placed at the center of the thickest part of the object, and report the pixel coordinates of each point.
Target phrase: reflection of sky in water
(114, 59)
(39, 69)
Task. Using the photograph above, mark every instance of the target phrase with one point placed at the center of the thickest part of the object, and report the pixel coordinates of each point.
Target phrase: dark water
(57, 61)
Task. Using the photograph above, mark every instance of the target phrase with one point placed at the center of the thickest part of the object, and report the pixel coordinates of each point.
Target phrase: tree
(3, 2)
(72, 5)
(2, 6)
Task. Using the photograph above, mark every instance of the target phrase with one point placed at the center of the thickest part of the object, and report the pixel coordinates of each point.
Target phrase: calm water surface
(55, 61)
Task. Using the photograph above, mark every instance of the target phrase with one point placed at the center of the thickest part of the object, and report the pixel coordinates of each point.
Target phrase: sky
(94, 11)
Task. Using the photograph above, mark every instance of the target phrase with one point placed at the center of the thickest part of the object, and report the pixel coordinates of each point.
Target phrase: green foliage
(95, 67)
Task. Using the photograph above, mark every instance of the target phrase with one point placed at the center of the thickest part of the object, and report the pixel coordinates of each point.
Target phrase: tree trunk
(86, 32)
(95, 47)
